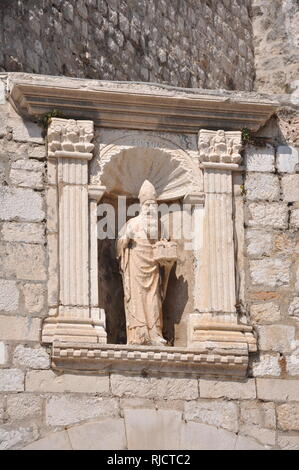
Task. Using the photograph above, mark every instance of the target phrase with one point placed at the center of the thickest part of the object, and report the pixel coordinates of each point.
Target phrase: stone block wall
(271, 194)
(23, 263)
(184, 43)
(41, 408)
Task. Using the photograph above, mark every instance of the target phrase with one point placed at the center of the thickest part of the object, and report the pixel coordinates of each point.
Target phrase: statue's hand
(121, 245)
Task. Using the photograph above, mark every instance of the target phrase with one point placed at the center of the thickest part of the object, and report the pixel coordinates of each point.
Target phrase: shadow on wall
(111, 293)
(174, 305)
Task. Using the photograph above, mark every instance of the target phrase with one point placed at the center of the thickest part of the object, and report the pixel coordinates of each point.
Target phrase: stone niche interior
(177, 304)
(189, 147)
(123, 175)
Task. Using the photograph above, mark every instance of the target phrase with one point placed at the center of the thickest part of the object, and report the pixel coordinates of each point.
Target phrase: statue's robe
(142, 282)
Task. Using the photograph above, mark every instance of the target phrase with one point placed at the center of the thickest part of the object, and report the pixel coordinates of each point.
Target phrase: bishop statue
(146, 259)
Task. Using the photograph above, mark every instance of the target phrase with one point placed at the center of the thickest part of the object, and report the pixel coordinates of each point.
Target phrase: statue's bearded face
(150, 208)
(149, 212)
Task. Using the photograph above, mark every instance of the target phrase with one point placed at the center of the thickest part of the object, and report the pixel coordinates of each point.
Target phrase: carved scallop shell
(124, 173)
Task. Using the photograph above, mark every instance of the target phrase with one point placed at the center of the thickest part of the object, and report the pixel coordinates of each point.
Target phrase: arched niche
(121, 164)
(121, 167)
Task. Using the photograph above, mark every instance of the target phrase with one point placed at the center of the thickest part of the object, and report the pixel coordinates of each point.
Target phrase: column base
(78, 330)
(220, 335)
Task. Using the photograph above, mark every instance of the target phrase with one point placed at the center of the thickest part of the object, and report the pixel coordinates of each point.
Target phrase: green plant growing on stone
(45, 120)
(246, 135)
(243, 190)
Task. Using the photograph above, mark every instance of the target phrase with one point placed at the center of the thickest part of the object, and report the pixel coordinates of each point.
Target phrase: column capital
(194, 198)
(96, 192)
(220, 149)
(68, 138)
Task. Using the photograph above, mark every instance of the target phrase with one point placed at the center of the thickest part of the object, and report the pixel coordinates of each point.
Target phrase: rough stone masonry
(177, 42)
(230, 44)
(276, 45)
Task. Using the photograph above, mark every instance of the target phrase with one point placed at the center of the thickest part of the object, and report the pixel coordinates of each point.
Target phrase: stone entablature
(140, 106)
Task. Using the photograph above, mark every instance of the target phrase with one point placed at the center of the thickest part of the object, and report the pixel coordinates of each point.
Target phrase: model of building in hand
(145, 271)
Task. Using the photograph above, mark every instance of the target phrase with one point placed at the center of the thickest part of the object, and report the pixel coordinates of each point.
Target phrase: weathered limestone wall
(271, 219)
(230, 44)
(276, 45)
(37, 403)
(184, 43)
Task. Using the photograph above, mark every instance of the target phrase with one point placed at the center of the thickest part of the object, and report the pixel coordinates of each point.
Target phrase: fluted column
(95, 195)
(218, 274)
(215, 318)
(69, 142)
(195, 203)
(73, 237)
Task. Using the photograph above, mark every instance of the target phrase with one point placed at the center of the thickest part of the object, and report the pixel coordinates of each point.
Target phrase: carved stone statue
(145, 264)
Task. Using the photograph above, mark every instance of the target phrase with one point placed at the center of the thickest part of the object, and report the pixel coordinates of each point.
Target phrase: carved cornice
(219, 147)
(201, 361)
(139, 106)
(70, 139)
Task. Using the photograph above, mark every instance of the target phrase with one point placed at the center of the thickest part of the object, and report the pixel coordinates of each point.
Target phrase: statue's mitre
(147, 192)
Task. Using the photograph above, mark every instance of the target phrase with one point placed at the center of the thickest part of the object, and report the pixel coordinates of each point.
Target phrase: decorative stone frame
(218, 344)
(76, 324)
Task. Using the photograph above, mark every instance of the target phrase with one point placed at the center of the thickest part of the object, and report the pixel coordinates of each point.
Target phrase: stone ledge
(115, 357)
(145, 106)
